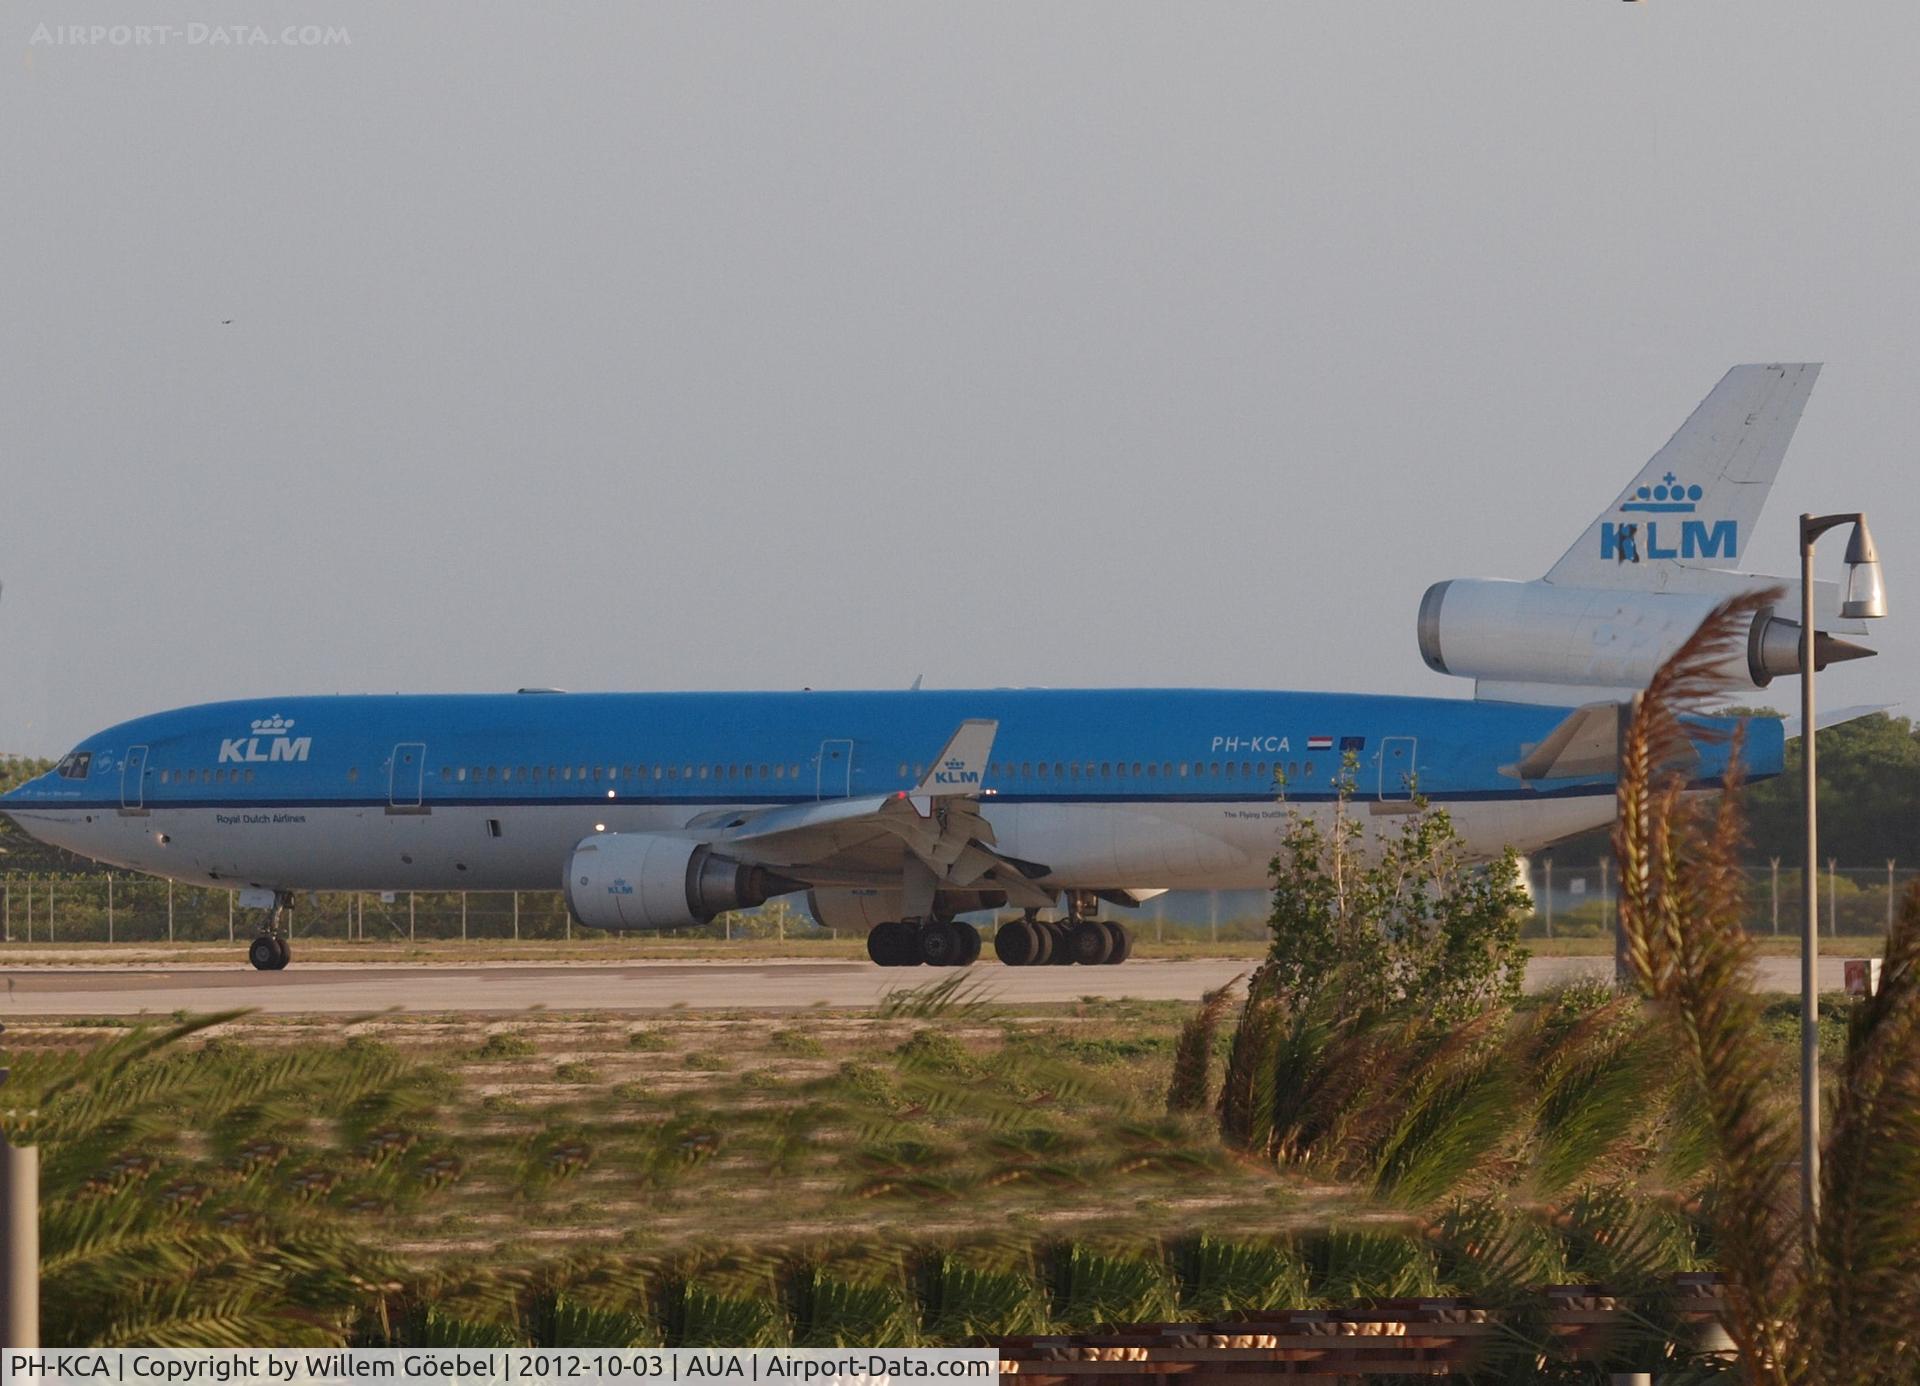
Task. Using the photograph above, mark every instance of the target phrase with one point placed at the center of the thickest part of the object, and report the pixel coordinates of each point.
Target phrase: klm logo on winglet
(1629, 542)
(956, 772)
(269, 742)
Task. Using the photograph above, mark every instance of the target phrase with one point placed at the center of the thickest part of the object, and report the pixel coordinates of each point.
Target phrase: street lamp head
(1866, 590)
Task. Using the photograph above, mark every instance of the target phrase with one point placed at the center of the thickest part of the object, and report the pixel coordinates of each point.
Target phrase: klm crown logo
(1629, 542)
(956, 772)
(1670, 496)
(272, 726)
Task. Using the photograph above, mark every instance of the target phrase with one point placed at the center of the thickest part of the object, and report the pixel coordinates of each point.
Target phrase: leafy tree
(1412, 922)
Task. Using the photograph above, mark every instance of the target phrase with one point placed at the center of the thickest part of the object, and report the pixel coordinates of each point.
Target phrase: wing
(861, 841)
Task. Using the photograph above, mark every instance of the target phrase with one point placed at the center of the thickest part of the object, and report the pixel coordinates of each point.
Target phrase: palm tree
(175, 1207)
(1841, 1306)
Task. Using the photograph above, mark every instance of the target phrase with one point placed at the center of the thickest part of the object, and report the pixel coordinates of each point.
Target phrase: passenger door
(133, 781)
(1397, 772)
(834, 776)
(406, 778)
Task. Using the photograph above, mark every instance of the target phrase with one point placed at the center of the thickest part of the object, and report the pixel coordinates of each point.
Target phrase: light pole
(1866, 597)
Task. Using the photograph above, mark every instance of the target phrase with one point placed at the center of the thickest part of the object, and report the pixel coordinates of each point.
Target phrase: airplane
(896, 812)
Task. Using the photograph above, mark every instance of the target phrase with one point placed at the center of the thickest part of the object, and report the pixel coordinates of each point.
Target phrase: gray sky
(719, 345)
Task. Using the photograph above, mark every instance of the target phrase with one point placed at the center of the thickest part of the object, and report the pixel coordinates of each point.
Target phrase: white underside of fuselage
(1153, 845)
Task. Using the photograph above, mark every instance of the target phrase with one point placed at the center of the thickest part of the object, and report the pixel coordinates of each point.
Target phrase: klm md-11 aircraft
(896, 812)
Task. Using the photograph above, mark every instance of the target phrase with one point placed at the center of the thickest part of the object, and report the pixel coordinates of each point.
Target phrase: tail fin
(1694, 505)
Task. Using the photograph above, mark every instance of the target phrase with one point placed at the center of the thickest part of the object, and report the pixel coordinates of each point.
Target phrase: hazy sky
(716, 345)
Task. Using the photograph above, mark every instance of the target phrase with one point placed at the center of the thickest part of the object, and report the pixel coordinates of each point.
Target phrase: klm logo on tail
(1624, 542)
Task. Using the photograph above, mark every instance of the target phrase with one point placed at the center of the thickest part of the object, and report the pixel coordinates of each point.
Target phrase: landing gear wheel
(1016, 944)
(285, 950)
(1122, 942)
(1089, 943)
(1061, 933)
(264, 954)
(893, 945)
(941, 944)
(970, 945)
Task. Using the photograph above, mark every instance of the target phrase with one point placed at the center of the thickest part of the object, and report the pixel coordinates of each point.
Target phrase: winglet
(962, 762)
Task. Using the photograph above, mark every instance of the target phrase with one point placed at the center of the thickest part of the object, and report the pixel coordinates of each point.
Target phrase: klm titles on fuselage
(269, 741)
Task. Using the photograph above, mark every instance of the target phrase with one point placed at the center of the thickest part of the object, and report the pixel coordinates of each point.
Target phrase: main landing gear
(935, 942)
(1027, 942)
(1031, 942)
(270, 951)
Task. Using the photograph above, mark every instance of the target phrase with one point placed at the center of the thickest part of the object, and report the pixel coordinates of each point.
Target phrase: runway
(354, 988)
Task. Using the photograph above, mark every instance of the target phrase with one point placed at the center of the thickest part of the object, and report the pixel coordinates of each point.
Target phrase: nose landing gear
(270, 951)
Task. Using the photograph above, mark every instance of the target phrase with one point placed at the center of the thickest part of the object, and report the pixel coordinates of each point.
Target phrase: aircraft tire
(264, 956)
(1061, 933)
(1089, 943)
(941, 944)
(1043, 944)
(970, 944)
(1122, 943)
(285, 952)
(893, 945)
(1016, 944)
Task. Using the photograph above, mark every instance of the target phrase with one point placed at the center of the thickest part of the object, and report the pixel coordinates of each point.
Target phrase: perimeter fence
(1570, 902)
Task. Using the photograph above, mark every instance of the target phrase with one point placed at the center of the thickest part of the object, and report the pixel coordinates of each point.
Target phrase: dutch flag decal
(1319, 743)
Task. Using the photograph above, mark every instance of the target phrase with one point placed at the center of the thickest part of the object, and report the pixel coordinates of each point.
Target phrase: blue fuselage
(491, 791)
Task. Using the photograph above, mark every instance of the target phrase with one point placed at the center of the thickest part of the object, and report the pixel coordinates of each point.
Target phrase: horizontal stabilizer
(1587, 742)
(1839, 716)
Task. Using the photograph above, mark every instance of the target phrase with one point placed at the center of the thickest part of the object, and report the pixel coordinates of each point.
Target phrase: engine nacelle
(1540, 633)
(854, 911)
(647, 881)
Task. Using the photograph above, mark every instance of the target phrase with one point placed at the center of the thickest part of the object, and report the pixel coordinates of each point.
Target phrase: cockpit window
(74, 765)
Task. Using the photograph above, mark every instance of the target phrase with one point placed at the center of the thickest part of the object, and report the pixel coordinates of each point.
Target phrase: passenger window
(779, 772)
(1166, 768)
(446, 773)
(1151, 767)
(566, 772)
(1229, 769)
(1106, 769)
(1043, 769)
(1026, 769)
(459, 775)
(1216, 770)
(163, 777)
(1261, 769)
(1136, 769)
(1183, 769)
(249, 774)
(703, 772)
(1059, 770)
(1246, 768)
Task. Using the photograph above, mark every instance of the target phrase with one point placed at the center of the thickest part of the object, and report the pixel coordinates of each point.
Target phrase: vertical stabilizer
(1695, 504)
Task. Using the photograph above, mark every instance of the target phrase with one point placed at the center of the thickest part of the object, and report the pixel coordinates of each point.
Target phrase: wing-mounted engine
(650, 881)
(1648, 569)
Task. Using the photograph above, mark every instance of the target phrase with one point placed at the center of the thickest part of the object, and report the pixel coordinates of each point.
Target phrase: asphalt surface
(356, 988)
